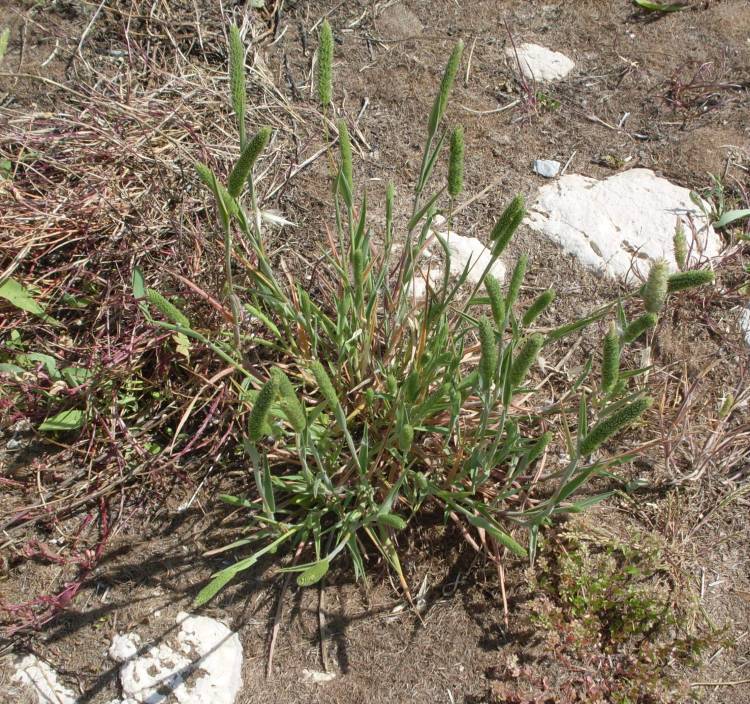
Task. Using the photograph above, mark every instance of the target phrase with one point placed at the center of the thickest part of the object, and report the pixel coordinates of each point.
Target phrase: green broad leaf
(501, 537)
(213, 587)
(11, 369)
(391, 520)
(182, 344)
(313, 574)
(71, 301)
(75, 376)
(6, 168)
(33, 358)
(139, 284)
(65, 420)
(731, 216)
(651, 6)
(18, 295)
(585, 504)
(235, 501)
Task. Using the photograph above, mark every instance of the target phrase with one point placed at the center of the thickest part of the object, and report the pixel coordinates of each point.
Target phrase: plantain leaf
(730, 216)
(18, 295)
(71, 419)
(313, 574)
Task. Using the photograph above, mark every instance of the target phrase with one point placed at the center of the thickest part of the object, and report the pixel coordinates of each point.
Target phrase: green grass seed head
(516, 279)
(655, 289)
(391, 385)
(538, 306)
(358, 268)
(290, 402)
(245, 163)
(449, 76)
(405, 437)
(456, 163)
(610, 359)
(237, 79)
(324, 383)
(525, 358)
(680, 246)
(4, 37)
(325, 64)
(497, 303)
(170, 311)
(688, 279)
(259, 414)
(345, 147)
(538, 447)
(612, 424)
(635, 329)
(507, 225)
(488, 347)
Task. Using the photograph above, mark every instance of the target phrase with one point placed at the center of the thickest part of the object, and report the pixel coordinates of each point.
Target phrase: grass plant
(367, 405)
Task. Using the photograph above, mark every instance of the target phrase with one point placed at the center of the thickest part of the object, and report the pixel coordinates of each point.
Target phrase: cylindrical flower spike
(345, 147)
(488, 346)
(538, 306)
(606, 428)
(325, 64)
(655, 289)
(610, 359)
(635, 329)
(405, 437)
(524, 359)
(680, 246)
(264, 400)
(538, 447)
(247, 160)
(507, 224)
(324, 383)
(449, 76)
(168, 309)
(689, 279)
(516, 279)
(456, 163)
(290, 402)
(497, 303)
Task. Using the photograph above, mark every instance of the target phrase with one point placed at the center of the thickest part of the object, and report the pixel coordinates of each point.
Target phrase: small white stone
(549, 168)
(469, 250)
(318, 677)
(206, 667)
(463, 251)
(745, 324)
(539, 63)
(626, 220)
(124, 647)
(42, 680)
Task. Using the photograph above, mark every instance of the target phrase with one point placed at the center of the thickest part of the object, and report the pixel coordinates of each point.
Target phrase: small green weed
(621, 610)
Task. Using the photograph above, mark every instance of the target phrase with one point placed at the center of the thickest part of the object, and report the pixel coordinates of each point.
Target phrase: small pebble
(549, 168)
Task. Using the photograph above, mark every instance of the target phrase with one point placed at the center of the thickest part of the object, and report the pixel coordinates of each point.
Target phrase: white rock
(42, 680)
(469, 250)
(463, 251)
(549, 168)
(318, 677)
(206, 665)
(745, 324)
(625, 220)
(539, 63)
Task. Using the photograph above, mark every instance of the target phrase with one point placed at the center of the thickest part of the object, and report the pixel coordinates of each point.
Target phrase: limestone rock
(539, 63)
(204, 665)
(626, 220)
